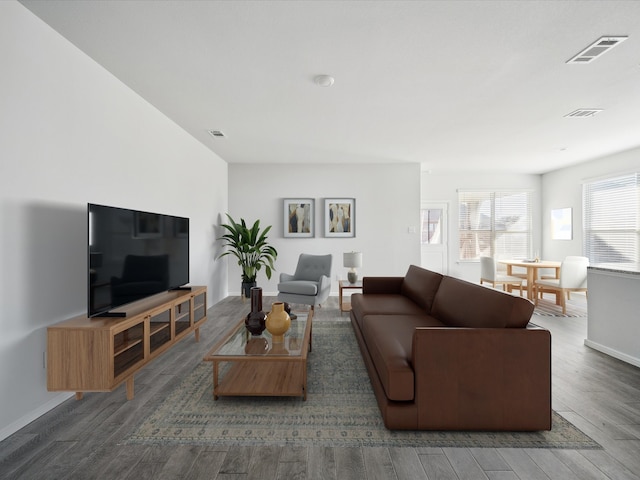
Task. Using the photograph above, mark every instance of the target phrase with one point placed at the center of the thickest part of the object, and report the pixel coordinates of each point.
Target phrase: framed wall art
(299, 217)
(340, 217)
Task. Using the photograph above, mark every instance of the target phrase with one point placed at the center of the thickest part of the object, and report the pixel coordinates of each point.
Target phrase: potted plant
(250, 247)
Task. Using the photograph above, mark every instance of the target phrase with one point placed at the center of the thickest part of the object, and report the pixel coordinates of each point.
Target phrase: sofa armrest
(483, 379)
(382, 285)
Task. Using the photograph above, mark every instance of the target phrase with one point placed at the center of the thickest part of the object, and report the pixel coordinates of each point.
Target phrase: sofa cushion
(421, 285)
(299, 287)
(382, 304)
(389, 340)
(463, 304)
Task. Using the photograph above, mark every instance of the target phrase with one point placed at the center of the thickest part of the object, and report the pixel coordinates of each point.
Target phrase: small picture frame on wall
(561, 224)
(299, 217)
(340, 217)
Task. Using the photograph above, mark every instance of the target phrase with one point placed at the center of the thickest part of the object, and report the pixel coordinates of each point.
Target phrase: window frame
(611, 216)
(467, 233)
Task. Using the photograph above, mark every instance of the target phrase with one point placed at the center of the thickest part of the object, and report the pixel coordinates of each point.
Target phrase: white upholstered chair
(310, 284)
(573, 278)
(489, 273)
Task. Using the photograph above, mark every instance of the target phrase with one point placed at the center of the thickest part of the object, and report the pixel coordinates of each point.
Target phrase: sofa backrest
(462, 304)
(421, 285)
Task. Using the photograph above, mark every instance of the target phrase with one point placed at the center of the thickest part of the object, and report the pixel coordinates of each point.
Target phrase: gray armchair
(311, 284)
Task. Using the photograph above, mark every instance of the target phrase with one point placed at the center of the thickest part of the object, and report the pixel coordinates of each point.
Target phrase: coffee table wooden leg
(215, 379)
(304, 381)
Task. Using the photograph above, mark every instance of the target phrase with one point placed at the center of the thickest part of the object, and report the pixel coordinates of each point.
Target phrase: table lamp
(352, 260)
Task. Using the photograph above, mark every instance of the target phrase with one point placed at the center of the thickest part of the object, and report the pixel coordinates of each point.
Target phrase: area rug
(340, 410)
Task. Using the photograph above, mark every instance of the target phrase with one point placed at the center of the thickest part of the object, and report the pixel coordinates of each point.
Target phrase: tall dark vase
(255, 321)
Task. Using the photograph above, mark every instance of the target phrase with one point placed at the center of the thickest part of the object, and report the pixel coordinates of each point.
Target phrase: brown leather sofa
(445, 354)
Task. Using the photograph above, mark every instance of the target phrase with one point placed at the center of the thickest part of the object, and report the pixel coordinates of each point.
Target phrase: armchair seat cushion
(299, 287)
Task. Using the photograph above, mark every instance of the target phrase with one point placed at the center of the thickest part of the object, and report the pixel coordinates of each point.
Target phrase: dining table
(532, 268)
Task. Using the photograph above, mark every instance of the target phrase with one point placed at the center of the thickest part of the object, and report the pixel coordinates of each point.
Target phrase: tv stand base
(98, 354)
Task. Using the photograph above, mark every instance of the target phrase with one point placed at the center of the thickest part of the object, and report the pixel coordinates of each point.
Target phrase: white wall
(444, 188)
(70, 133)
(387, 204)
(563, 188)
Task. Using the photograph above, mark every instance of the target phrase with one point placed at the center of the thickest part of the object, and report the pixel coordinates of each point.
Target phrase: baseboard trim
(612, 352)
(33, 415)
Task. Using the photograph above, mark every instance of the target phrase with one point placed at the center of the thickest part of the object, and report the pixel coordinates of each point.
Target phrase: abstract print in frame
(299, 217)
(340, 217)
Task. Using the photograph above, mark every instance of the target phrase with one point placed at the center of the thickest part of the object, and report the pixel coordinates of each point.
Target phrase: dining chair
(573, 278)
(489, 273)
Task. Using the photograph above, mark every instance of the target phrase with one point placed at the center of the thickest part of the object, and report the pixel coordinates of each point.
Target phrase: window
(611, 219)
(496, 224)
(431, 220)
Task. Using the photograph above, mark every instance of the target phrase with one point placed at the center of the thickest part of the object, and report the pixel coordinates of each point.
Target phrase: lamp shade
(352, 259)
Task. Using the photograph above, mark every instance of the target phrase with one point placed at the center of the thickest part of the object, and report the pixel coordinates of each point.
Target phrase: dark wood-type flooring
(80, 439)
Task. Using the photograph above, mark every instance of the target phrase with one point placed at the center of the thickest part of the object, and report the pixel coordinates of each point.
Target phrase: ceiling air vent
(596, 49)
(584, 112)
(216, 134)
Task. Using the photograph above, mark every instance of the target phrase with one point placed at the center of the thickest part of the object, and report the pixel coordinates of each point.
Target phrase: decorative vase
(278, 349)
(255, 321)
(278, 322)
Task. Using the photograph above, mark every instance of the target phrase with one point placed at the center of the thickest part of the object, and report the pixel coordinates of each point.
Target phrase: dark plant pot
(246, 288)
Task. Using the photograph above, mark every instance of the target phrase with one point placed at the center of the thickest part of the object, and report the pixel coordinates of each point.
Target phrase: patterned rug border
(262, 421)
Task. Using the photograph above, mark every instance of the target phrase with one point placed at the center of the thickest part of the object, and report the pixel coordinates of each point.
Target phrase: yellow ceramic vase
(278, 322)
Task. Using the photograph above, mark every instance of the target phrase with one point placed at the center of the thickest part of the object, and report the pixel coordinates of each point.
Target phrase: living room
(73, 133)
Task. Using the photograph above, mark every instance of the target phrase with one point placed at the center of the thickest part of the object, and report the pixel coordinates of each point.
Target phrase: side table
(345, 285)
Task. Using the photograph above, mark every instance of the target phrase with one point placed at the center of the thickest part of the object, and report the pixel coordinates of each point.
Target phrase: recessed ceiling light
(597, 48)
(324, 80)
(216, 133)
(584, 113)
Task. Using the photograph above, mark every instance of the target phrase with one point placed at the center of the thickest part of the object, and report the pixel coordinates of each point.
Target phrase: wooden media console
(98, 354)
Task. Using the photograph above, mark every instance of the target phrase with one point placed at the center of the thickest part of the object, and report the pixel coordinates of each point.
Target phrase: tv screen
(133, 255)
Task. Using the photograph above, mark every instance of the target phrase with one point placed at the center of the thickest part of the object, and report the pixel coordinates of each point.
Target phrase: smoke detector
(324, 80)
(596, 49)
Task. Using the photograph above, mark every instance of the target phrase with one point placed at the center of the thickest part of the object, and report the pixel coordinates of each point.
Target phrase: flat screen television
(133, 255)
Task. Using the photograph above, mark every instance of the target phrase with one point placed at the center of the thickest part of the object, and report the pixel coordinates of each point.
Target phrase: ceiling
(453, 85)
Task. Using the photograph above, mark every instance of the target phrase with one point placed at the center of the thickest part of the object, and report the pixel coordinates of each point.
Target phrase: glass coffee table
(256, 366)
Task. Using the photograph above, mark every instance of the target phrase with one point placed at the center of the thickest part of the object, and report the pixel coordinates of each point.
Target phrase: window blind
(496, 224)
(612, 219)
